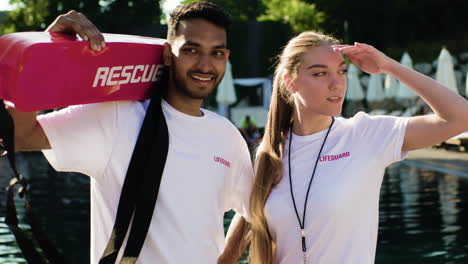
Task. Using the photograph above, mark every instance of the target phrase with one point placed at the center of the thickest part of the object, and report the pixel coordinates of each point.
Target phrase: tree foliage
(300, 15)
(421, 27)
(30, 15)
(109, 15)
(122, 16)
(240, 10)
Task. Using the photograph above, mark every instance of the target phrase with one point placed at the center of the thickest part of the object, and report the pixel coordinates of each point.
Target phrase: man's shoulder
(220, 120)
(223, 125)
(110, 106)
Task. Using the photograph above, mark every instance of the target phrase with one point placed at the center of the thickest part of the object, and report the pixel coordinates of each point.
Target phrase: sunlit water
(423, 214)
(423, 217)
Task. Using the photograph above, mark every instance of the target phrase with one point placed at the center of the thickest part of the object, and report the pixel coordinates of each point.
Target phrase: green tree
(30, 15)
(300, 15)
(122, 16)
(240, 10)
(420, 27)
(109, 15)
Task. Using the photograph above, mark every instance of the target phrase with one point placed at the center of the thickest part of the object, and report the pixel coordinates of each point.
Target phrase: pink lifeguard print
(334, 157)
(222, 161)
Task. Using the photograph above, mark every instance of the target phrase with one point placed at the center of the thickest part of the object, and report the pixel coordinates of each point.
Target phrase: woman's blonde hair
(268, 163)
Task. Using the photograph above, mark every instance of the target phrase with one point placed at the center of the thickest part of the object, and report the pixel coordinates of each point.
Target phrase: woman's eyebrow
(324, 66)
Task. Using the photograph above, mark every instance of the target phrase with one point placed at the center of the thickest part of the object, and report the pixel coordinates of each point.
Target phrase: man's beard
(181, 86)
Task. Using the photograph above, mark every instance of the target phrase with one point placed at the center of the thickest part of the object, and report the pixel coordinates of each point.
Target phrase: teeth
(334, 98)
(201, 78)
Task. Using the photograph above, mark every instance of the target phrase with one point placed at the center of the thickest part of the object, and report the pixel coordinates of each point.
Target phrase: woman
(318, 177)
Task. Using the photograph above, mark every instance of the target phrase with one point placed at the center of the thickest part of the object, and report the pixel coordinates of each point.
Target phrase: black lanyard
(302, 223)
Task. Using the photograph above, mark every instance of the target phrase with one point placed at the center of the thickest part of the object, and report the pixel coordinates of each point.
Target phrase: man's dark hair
(205, 10)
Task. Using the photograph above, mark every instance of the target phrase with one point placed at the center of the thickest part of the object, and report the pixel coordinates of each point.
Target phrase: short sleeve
(384, 135)
(81, 137)
(241, 181)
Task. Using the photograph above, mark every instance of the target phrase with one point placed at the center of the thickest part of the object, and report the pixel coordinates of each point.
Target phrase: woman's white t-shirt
(341, 222)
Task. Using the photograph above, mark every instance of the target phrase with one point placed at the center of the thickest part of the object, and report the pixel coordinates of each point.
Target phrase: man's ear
(167, 54)
(289, 82)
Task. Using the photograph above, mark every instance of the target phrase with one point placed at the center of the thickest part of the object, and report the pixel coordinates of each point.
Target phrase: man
(208, 169)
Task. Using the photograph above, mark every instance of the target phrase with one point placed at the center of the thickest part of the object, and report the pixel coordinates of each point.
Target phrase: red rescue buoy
(42, 70)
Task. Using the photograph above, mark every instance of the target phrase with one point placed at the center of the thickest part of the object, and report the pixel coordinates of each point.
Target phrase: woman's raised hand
(366, 57)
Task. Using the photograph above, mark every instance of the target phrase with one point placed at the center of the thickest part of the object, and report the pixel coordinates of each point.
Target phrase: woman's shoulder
(362, 117)
(362, 121)
(359, 119)
(359, 116)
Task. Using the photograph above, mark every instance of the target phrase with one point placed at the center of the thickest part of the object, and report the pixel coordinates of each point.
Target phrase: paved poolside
(445, 161)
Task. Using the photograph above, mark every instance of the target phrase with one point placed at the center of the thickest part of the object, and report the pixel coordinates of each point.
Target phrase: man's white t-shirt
(208, 171)
(341, 222)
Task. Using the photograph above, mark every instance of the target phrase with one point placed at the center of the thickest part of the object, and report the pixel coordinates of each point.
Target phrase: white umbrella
(390, 86)
(267, 90)
(226, 94)
(404, 92)
(466, 86)
(354, 91)
(375, 91)
(445, 74)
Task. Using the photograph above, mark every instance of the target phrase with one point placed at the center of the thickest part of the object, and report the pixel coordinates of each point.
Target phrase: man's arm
(29, 134)
(237, 239)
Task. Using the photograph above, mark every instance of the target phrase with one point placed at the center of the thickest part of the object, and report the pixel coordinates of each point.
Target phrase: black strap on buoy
(26, 243)
(141, 186)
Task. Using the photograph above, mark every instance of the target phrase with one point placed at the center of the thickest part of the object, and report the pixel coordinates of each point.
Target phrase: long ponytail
(268, 162)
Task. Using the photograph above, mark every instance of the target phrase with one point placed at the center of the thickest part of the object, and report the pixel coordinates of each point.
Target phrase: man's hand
(76, 23)
(2, 148)
(237, 239)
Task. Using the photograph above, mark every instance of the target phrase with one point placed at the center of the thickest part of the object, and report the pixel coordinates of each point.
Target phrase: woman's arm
(451, 110)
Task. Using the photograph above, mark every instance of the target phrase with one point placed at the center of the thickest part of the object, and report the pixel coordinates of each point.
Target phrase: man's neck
(185, 104)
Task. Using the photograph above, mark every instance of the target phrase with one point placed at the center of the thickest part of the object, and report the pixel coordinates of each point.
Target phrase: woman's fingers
(365, 56)
(343, 48)
(353, 48)
(354, 59)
